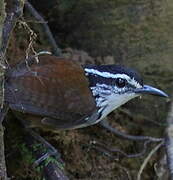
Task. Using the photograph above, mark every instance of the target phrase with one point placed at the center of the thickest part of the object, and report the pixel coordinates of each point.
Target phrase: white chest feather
(108, 99)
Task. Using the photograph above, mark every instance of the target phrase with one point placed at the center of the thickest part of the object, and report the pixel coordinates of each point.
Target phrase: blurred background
(135, 33)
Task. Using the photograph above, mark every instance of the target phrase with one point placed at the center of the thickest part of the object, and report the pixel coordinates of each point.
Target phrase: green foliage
(51, 159)
(26, 154)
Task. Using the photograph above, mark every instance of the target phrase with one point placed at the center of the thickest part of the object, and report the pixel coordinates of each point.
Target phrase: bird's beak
(150, 90)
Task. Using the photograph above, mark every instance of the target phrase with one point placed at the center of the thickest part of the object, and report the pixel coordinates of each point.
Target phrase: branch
(7, 23)
(111, 151)
(33, 11)
(169, 140)
(2, 19)
(104, 123)
(52, 166)
(13, 14)
(3, 172)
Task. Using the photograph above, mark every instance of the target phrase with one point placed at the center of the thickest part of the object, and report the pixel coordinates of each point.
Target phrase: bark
(8, 17)
(169, 140)
(3, 174)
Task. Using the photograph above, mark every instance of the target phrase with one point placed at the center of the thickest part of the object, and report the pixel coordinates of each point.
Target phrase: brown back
(55, 87)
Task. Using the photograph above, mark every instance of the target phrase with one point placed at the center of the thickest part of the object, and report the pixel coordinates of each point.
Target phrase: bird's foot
(45, 157)
(45, 149)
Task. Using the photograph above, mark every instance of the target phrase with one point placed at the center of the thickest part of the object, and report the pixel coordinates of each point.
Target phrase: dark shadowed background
(137, 33)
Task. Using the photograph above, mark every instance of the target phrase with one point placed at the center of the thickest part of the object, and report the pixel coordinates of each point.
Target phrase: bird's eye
(120, 82)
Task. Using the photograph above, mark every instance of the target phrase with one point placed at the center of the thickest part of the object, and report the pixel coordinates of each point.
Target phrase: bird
(56, 93)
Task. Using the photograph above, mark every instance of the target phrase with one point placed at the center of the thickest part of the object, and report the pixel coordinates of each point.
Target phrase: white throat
(108, 98)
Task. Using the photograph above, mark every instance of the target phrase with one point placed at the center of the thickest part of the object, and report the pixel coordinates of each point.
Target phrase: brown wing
(55, 87)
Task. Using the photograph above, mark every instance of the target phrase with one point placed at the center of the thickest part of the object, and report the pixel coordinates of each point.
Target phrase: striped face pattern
(112, 86)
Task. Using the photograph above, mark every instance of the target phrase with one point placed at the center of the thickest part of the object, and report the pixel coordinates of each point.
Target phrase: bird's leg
(51, 167)
(25, 121)
(52, 151)
(104, 123)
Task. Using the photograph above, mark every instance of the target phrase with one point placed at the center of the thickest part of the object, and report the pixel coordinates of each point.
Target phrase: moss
(26, 154)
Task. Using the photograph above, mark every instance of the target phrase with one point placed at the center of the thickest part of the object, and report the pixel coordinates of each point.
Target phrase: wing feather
(55, 87)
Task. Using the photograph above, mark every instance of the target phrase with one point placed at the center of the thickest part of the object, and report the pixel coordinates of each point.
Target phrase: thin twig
(147, 159)
(33, 11)
(32, 38)
(108, 150)
(104, 123)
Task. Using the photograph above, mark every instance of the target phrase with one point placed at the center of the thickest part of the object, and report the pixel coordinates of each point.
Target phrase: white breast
(108, 99)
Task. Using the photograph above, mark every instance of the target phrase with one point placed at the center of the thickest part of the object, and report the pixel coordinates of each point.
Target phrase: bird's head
(113, 85)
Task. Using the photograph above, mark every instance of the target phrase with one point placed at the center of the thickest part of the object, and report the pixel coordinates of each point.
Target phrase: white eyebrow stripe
(110, 75)
(106, 74)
